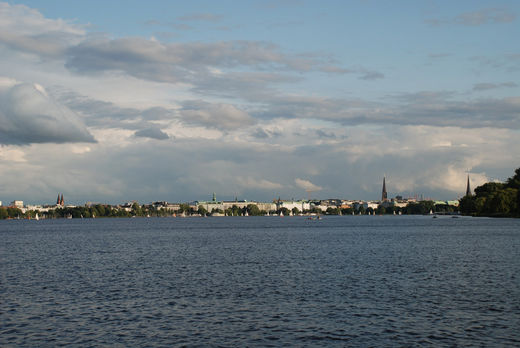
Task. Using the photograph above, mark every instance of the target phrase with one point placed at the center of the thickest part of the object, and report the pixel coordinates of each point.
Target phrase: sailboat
(36, 217)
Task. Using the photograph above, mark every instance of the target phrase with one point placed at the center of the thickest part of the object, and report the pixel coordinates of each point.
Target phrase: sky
(113, 101)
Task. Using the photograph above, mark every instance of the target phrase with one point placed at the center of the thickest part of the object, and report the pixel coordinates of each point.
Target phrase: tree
(253, 210)
(422, 207)
(332, 211)
(202, 211)
(494, 199)
(514, 181)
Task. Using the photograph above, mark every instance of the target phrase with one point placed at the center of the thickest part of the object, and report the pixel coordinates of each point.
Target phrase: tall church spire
(384, 196)
(468, 189)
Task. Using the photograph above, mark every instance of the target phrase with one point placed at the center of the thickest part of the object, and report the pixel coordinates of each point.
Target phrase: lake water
(261, 281)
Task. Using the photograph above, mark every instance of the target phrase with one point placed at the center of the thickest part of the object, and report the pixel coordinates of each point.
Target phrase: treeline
(94, 211)
(494, 199)
(10, 213)
(412, 208)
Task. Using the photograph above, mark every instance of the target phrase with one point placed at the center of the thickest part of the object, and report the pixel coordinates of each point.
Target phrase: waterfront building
(17, 204)
(300, 205)
(40, 208)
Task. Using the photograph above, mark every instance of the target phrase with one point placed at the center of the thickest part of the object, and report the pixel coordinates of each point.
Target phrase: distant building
(300, 205)
(384, 195)
(468, 189)
(60, 201)
(17, 204)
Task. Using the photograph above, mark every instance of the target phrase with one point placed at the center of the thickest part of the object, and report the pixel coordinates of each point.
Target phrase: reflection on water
(267, 281)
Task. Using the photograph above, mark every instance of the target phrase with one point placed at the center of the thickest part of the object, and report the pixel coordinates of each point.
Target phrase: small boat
(36, 217)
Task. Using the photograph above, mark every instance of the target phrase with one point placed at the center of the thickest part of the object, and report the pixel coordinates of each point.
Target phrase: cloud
(27, 30)
(422, 108)
(220, 116)
(201, 17)
(180, 62)
(490, 15)
(307, 185)
(251, 183)
(371, 75)
(28, 115)
(477, 18)
(264, 133)
(488, 86)
(506, 62)
(438, 55)
(153, 133)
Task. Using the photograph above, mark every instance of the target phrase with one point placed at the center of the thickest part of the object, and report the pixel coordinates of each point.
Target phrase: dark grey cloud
(261, 133)
(153, 133)
(324, 134)
(98, 113)
(423, 108)
(185, 62)
(28, 115)
(477, 18)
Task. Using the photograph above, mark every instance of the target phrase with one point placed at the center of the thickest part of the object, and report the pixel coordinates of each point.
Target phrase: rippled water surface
(268, 281)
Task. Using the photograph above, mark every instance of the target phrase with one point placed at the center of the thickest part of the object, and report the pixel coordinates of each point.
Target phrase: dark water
(342, 281)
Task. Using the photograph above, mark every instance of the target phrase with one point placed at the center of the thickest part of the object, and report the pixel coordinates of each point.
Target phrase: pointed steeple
(62, 202)
(468, 189)
(58, 199)
(384, 195)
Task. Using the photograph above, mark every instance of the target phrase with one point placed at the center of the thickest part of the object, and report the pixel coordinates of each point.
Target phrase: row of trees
(98, 210)
(494, 199)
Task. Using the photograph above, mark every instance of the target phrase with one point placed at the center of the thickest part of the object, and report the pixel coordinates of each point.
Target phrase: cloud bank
(28, 115)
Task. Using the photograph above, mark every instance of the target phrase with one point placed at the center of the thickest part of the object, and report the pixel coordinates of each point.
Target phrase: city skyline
(257, 100)
(60, 201)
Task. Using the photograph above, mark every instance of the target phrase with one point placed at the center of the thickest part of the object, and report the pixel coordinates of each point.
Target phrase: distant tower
(62, 202)
(58, 199)
(468, 189)
(384, 195)
(214, 197)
